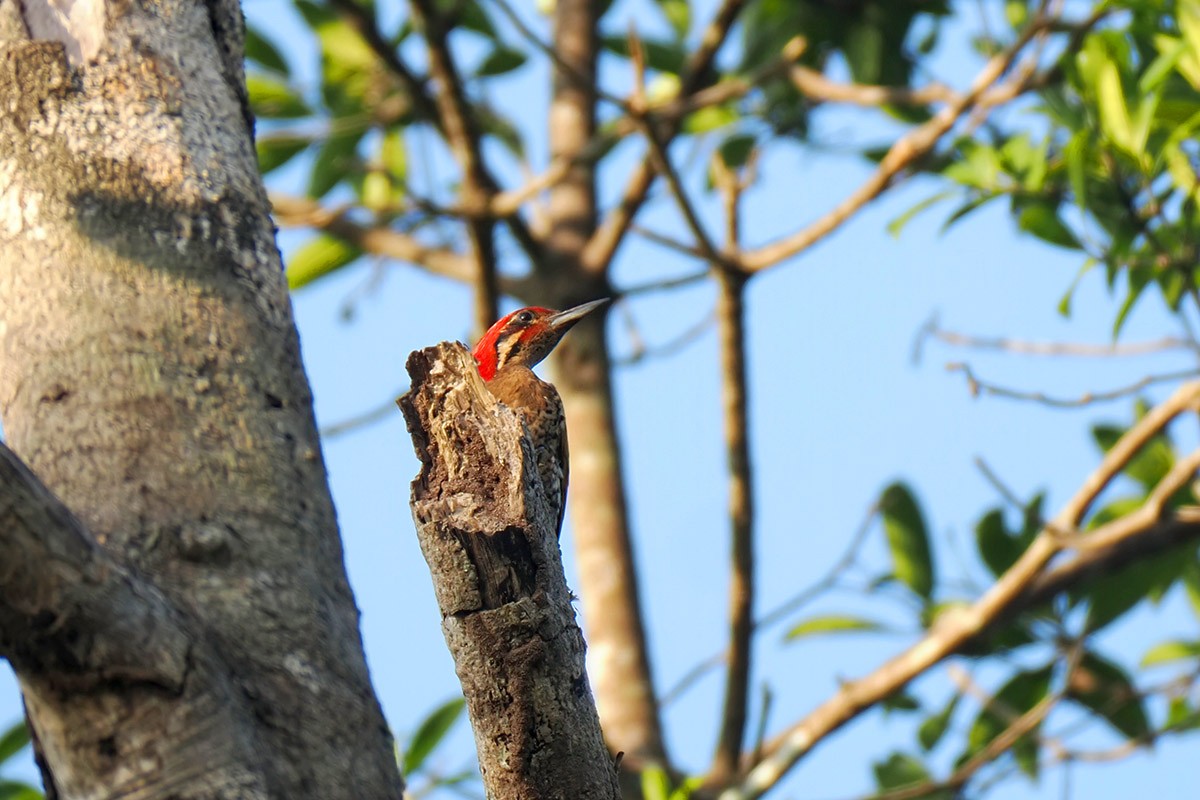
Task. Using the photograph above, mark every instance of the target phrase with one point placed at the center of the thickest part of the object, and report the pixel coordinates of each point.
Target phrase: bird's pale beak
(563, 320)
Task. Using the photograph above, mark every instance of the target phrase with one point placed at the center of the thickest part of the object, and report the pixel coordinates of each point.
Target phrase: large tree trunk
(150, 376)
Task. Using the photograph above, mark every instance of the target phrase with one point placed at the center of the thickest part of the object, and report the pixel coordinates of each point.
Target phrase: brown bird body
(506, 356)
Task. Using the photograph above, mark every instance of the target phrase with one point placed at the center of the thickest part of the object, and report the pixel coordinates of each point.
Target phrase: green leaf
(1041, 219)
(656, 784)
(974, 204)
(735, 150)
(900, 701)
(500, 61)
(13, 741)
(904, 770)
(1149, 466)
(1114, 114)
(395, 155)
(336, 160)
(1021, 693)
(276, 150)
(16, 790)
(469, 15)
(260, 50)
(830, 623)
(1075, 153)
(907, 538)
(710, 118)
(1138, 278)
(1104, 688)
(660, 56)
(1112, 596)
(494, 124)
(1171, 650)
(897, 225)
(1191, 584)
(935, 726)
(317, 258)
(430, 733)
(678, 14)
(978, 166)
(274, 99)
(1064, 305)
(996, 547)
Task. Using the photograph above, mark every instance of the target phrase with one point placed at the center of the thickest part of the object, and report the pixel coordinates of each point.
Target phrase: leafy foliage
(12, 742)
(1114, 174)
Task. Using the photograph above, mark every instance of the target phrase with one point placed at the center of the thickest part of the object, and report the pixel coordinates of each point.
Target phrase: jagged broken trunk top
(490, 542)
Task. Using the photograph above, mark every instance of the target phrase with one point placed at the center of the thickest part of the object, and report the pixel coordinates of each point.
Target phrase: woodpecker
(506, 355)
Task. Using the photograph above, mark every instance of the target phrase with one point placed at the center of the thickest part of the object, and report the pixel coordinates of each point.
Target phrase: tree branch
(604, 242)
(379, 239)
(908, 149)
(462, 134)
(932, 329)
(955, 629)
(735, 399)
(66, 605)
(977, 385)
(490, 540)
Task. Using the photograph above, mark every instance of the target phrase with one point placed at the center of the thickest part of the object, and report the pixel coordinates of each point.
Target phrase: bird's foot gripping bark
(490, 541)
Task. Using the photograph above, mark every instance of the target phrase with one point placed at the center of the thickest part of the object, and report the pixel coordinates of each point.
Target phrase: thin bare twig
(577, 76)
(461, 130)
(985, 92)
(604, 242)
(662, 285)
(379, 240)
(641, 352)
(955, 629)
(783, 610)
(362, 420)
(978, 386)
(933, 330)
(662, 160)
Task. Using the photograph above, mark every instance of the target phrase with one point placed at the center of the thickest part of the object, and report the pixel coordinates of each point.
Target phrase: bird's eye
(525, 317)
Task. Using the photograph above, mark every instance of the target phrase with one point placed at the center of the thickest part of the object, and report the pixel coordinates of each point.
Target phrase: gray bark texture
(186, 628)
(489, 538)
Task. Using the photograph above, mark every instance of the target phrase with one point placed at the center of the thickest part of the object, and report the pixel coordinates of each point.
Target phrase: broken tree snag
(490, 540)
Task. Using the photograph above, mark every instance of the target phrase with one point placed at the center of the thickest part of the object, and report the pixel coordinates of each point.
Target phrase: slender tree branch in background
(639, 351)
(583, 80)
(604, 242)
(783, 610)
(1019, 726)
(462, 134)
(933, 330)
(978, 386)
(735, 401)
(362, 420)
(663, 285)
(661, 159)
(908, 149)
(955, 629)
(378, 240)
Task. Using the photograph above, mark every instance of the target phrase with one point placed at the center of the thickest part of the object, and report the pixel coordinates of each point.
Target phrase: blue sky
(839, 410)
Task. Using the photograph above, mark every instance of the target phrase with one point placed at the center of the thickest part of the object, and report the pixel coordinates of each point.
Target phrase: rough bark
(150, 377)
(607, 569)
(488, 535)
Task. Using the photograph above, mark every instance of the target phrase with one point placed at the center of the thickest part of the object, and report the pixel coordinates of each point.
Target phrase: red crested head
(525, 337)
